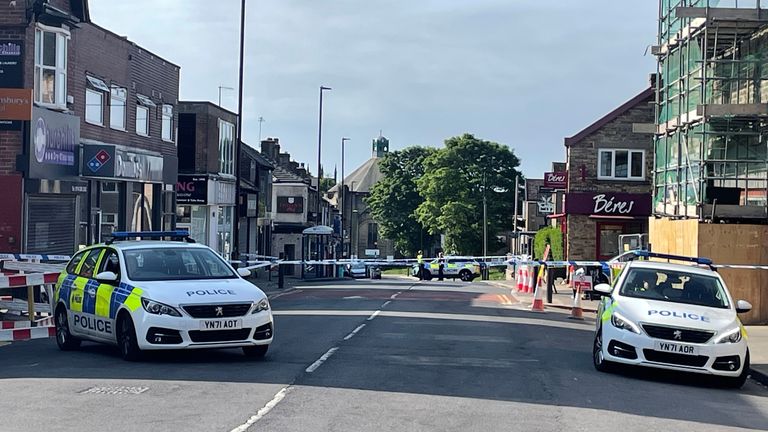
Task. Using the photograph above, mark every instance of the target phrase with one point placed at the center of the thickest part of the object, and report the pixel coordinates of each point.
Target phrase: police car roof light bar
(180, 235)
(668, 257)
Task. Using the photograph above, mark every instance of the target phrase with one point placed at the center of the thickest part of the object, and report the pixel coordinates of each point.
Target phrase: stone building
(608, 194)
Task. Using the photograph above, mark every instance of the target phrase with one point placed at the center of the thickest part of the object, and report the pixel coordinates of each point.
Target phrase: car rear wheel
(738, 382)
(466, 275)
(598, 359)
(126, 339)
(64, 338)
(256, 351)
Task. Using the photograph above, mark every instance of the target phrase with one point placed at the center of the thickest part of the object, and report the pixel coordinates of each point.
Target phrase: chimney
(284, 159)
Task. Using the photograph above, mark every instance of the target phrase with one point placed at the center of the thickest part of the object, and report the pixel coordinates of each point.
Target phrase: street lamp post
(319, 149)
(223, 88)
(341, 194)
(238, 143)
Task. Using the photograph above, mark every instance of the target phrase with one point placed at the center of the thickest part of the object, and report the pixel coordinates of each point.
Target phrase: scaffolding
(711, 145)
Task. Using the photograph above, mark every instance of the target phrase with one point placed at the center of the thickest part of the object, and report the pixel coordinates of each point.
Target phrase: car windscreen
(157, 264)
(675, 287)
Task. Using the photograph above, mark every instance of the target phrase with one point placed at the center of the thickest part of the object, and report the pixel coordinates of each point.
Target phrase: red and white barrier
(27, 333)
(25, 280)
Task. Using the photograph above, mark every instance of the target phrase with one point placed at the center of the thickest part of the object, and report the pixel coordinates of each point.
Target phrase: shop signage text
(11, 64)
(290, 204)
(108, 161)
(192, 189)
(15, 107)
(53, 141)
(608, 204)
(546, 205)
(556, 180)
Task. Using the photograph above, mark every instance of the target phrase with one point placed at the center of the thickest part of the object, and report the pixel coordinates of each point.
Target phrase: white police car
(672, 316)
(159, 295)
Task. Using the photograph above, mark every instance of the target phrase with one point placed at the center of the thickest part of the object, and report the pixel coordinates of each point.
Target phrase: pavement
(562, 299)
(390, 355)
(757, 337)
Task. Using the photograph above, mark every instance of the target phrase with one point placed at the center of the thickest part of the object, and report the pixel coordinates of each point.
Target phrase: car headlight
(261, 306)
(157, 308)
(621, 322)
(731, 336)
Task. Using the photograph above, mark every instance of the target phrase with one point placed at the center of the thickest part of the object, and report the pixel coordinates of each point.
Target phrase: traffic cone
(571, 269)
(519, 278)
(577, 313)
(532, 280)
(538, 296)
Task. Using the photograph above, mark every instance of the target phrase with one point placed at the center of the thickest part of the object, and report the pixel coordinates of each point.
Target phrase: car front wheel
(598, 359)
(256, 351)
(466, 276)
(738, 382)
(126, 339)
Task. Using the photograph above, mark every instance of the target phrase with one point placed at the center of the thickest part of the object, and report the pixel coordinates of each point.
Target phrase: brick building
(206, 187)
(98, 152)
(609, 182)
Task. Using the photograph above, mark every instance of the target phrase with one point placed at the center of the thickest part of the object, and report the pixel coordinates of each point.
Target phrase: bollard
(280, 277)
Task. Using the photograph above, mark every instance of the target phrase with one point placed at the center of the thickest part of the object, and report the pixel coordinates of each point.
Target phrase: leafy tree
(393, 199)
(548, 236)
(454, 181)
(325, 184)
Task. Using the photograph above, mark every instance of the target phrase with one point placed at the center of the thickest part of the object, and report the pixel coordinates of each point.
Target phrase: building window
(94, 107)
(167, 122)
(142, 114)
(226, 147)
(51, 66)
(373, 236)
(142, 120)
(621, 165)
(118, 100)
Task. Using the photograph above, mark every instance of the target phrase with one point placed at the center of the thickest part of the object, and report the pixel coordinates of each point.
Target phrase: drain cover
(115, 390)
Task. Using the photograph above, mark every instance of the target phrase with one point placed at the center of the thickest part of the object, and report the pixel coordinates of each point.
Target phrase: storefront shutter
(51, 225)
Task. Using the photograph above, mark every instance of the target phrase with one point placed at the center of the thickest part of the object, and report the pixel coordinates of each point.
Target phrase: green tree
(548, 236)
(394, 199)
(326, 183)
(454, 182)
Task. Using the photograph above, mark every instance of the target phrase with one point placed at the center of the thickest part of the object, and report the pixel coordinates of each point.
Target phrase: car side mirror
(743, 306)
(107, 277)
(243, 272)
(604, 289)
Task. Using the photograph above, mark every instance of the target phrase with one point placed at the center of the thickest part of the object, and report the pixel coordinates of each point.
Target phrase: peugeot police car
(672, 316)
(464, 268)
(159, 295)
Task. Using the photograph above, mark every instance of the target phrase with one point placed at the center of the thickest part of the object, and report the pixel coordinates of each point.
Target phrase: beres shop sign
(608, 204)
(556, 180)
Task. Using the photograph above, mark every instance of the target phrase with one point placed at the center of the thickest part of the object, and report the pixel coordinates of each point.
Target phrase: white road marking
(394, 296)
(313, 367)
(354, 332)
(386, 304)
(374, 315)
(264, 411)
(353, 298)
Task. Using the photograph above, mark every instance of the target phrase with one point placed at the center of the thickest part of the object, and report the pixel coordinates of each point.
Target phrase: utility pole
(516, 243)
(485, 218)
(261, 120)
(341, 195)
(239, 143)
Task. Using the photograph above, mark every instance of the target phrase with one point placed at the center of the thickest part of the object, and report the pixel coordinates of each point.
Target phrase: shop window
(109, 187)
(118, 100)
(621, 165)
(51, 66)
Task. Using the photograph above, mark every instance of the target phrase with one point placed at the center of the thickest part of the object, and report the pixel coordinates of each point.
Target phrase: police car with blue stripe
(163, 293)
(672, 316)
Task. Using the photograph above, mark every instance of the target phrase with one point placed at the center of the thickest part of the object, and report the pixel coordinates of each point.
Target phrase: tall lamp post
(341, 196)
(319, 149)
(223, 88)
(238, 143)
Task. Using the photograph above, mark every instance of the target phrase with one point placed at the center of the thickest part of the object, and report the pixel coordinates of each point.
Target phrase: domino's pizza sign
(98, 160)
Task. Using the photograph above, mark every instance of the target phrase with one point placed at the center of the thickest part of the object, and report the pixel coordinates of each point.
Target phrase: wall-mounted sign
(15, 107)
(252, 205)
(192, 189)
(11, 64)
(556, 180)
(546, 205)
(98, 161)
(53, 145)
(110, 162)
(608, 204)
(290, 204)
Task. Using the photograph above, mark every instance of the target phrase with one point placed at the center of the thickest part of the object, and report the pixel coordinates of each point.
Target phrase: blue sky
(525, 73)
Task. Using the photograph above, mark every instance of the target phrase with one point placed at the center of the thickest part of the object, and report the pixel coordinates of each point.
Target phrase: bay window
(51, 66)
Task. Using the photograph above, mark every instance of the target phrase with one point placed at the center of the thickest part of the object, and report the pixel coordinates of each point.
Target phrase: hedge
(549, 236)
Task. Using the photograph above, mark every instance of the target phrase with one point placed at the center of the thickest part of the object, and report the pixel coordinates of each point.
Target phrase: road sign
(582, 282)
